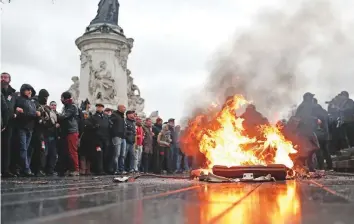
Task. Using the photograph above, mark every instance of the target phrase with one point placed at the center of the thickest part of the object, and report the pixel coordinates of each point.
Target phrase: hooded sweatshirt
(26, 120)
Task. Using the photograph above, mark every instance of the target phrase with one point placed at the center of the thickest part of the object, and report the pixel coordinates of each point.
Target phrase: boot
(82, 166)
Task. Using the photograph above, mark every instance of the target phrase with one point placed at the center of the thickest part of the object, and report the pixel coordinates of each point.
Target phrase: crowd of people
(37, 140)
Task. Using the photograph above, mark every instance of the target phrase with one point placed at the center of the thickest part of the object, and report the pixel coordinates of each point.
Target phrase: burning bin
(279, 172)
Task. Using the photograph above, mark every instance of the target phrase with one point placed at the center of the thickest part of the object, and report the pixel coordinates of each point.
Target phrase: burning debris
(221, 137)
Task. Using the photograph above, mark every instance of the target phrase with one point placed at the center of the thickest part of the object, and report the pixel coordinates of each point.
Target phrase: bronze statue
(107, 12)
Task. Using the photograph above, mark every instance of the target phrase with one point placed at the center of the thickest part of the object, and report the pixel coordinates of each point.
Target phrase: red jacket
(139, 135)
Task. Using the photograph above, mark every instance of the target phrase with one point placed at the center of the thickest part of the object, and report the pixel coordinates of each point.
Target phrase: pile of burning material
(230, 151)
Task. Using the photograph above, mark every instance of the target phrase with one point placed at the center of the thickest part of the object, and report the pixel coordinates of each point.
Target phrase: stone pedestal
(104, 54)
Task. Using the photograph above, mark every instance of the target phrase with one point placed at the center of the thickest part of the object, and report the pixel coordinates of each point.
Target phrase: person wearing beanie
(39, 141)
(69, 123)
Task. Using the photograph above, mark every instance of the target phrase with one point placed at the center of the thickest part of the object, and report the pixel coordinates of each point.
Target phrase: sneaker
(52, 174)
(124, 172)
(40, 174)
(74, 174)
(27, 174)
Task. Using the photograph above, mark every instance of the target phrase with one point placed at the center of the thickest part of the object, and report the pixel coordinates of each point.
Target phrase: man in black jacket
(9, 95)
(68, 121)
(118, 129)
(26, 115)
(100, 162)
(130, 138)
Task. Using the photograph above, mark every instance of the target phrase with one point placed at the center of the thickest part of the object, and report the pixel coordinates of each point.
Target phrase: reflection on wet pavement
(268, 203)
(176, 201)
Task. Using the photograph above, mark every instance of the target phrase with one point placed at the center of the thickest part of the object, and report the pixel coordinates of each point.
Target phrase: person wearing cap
(309, 120)
(118, 129)
(69, 123)
(108, 112)
(130, 139)
(100, 163)
(156, 129)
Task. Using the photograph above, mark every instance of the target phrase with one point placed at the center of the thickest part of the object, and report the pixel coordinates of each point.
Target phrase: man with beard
(156, 129)
(39, 142)
(68, 121)
(9, 95)
(101, 155)
(322, 132)
(26, 116)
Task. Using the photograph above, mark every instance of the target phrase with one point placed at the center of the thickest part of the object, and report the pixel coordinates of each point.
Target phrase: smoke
(286, 52)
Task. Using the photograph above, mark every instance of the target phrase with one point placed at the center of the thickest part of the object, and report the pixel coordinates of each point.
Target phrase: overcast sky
(174, 43)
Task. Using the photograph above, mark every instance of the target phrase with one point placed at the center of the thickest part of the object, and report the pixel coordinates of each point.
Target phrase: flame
(220, 136)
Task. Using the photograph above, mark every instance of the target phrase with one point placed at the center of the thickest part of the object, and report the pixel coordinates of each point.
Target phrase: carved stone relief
(102, 84)
(85, 59)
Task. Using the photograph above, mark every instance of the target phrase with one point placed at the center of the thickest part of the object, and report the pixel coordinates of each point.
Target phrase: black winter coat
(4, 112)
(10, 96)
(130, 132)
(104, 123)
(88, 139)
(118, 127)
(27, 119)
(69, 119)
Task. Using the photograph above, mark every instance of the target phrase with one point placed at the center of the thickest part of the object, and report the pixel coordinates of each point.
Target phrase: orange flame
(221, 138)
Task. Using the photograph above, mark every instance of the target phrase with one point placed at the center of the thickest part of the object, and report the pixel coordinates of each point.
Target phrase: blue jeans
(119, 152)
(51, 152)
(130, 151)
(173, 157)
(25, 152)
(179, 160)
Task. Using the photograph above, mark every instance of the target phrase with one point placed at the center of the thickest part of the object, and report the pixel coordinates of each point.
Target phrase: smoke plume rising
(286, 52)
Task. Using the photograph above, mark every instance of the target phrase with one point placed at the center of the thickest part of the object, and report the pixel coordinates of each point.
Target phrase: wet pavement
(99, 200)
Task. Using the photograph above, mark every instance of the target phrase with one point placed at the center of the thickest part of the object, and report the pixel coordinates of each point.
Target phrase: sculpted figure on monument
(85, 58)
(101, 84)
(107, 12)
(75, 89)
(122, 55)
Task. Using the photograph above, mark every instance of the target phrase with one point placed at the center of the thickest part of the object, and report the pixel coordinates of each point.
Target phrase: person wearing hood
(69, 123)
(252, 120)
(118, 129)
(9, 95)
(26, 116)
